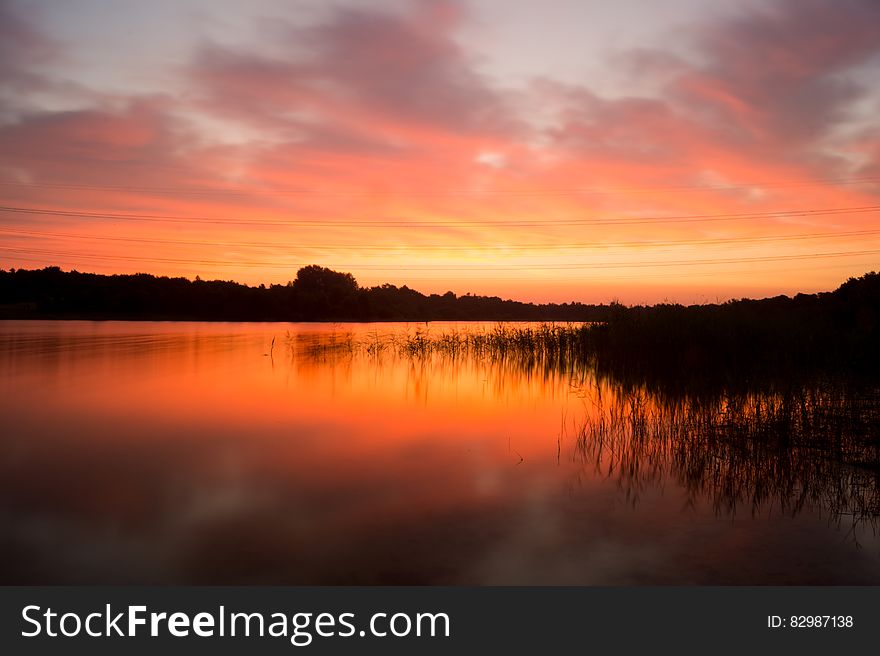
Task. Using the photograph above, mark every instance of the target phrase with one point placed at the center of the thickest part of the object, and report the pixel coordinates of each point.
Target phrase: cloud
(866, 148)
(778, 71)
(92, 144)
(360, 78)
(763, 93)
(23, 49)
(395, 88)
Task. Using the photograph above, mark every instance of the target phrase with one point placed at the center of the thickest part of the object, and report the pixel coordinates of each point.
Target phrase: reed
(748, 437)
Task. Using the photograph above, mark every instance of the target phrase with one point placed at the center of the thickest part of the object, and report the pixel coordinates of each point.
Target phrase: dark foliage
(743, 343)
(683, 349)
(316, 294)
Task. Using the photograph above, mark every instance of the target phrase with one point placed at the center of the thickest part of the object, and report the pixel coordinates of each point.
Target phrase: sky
(638, 151)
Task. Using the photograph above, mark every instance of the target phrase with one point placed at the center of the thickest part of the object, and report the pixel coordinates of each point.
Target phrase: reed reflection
(814, 446)
(780, 443)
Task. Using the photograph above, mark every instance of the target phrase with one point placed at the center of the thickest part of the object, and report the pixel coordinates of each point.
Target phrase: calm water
(200, 453)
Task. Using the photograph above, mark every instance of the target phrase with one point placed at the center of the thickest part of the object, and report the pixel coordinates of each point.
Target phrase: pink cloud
(778, 71)
(361, 68)
(23, 49)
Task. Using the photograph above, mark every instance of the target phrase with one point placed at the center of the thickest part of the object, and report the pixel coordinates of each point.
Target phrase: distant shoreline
(303, 321)
(834, 330)
(316, 294)
(683, 349)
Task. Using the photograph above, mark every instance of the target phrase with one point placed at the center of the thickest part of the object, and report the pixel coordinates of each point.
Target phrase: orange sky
(405, 143)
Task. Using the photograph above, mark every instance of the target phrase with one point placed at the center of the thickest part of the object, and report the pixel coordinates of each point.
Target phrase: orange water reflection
(188, 452)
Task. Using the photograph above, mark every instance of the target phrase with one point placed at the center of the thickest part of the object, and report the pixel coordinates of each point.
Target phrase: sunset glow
(693, 153)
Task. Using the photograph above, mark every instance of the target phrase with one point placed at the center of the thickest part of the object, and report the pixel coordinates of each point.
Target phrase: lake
(236, 453)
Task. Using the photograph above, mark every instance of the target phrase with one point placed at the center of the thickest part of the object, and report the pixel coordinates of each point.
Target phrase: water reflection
(812, 447)
(267, 453)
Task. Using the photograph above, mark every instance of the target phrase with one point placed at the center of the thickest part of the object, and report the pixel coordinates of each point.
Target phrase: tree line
(315, 294)
(744, 337)
(695, 347)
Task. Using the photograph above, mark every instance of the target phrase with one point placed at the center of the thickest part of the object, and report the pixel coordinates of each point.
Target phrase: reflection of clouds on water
(537, 546)
(197, 459)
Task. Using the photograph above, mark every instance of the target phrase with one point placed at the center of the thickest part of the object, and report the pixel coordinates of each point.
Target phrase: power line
(453, 247)
(686, 218)
(455, 267)
(617, 277)
(315, 192)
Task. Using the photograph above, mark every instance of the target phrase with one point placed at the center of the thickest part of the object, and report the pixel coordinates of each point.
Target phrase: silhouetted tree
(325, 294)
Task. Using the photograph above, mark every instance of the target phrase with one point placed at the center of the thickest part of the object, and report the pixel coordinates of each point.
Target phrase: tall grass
(558, 345)
(749, 437)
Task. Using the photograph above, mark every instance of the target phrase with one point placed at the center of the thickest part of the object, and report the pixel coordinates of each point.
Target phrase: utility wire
(448, 247)
(686, 218)
(454, 267)
(316, 192)
(617, 277)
